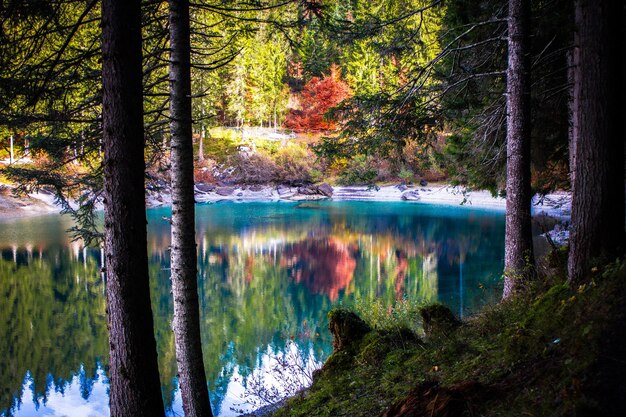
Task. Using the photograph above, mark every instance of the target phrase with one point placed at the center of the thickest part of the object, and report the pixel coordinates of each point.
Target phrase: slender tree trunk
(135, 389)
(202, 134)
(518, 256)
(192, 379)
(11, 156)
(598, 193)
(572, 104)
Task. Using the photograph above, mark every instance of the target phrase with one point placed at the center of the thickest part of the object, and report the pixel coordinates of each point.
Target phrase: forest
(110, 105)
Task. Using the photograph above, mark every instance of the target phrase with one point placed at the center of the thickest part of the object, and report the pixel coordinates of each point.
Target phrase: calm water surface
(268, 274)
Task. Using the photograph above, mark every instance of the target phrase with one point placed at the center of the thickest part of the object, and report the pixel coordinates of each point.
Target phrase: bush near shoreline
(235, 157)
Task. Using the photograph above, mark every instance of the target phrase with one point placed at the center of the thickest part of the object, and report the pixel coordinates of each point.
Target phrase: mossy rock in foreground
(438, 319)
(346, 328)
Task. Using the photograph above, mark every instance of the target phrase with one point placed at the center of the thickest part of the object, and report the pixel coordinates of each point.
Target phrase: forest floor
(553, 351)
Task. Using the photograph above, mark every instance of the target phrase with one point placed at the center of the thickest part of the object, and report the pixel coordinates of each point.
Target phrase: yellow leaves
(569, 300)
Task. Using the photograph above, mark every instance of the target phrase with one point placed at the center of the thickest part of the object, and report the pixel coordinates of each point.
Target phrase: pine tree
(518, 244)
(597, 228)
(135, 388)
(186, 323)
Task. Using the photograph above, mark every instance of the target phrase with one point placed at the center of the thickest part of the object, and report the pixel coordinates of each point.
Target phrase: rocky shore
(556, 205)
(15, 206)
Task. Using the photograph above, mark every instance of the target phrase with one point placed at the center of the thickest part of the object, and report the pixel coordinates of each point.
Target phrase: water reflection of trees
(263, 280)
(323, 265)
(52, 320)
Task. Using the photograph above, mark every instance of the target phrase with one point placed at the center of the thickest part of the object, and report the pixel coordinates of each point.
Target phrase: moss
(554, 351)
(438, 319)
(346, 327)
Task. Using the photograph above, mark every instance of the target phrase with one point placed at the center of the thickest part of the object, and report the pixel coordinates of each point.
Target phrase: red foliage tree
(319, 95)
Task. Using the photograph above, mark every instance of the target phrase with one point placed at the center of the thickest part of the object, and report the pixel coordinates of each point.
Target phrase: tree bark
(518, 257)
(572, 105)
(135, 389)
(192, 378)
(597, 228)
(202, 135)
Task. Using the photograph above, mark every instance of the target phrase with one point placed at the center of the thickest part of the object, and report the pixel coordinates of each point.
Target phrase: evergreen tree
(597, 228)
(186, 324)
(518, 251)
(133, 370)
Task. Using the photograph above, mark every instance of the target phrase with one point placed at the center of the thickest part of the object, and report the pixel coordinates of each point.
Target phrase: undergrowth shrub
(404, 314)
(221, 145)
(406, 175)
(293, 164)
(258, 168)
(358, 171)
(316, 175)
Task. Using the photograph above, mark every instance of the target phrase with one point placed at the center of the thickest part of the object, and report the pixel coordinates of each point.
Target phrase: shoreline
(556, 205)
(34, 204)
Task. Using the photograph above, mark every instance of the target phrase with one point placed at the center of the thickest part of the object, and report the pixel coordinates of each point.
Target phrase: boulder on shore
(224, 191)
(313, 192)
(410, 196)
(256, 188)
(205, 188)
(307, 190)
(402, 187)
(284, 190)
(325, 189)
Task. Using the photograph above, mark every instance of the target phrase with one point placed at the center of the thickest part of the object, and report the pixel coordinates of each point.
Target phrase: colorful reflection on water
(268, 274)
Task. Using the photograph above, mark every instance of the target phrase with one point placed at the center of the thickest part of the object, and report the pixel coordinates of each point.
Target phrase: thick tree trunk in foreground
(192, 379)
(518, 257)
(598, 190)
(135, 389)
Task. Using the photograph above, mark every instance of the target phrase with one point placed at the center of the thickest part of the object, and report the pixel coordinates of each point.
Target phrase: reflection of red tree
(401, 270)
(324, 266)
(249, 268)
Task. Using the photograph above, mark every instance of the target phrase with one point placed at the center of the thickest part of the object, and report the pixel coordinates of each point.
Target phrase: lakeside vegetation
(553, 351)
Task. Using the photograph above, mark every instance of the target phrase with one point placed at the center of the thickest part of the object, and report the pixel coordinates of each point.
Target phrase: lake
(268, 275)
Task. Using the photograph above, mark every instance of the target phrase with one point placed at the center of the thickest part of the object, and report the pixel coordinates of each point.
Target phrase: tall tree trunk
(598, 193)
(192, 379)
(572, 104)
(202, 133)
(518, 256)
(11, 156)
(135, 389)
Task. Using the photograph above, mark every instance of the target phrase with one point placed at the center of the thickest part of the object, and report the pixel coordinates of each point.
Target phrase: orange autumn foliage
(319, 95)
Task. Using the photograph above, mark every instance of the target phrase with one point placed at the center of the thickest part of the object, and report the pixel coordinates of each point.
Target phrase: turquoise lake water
(268, 274)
